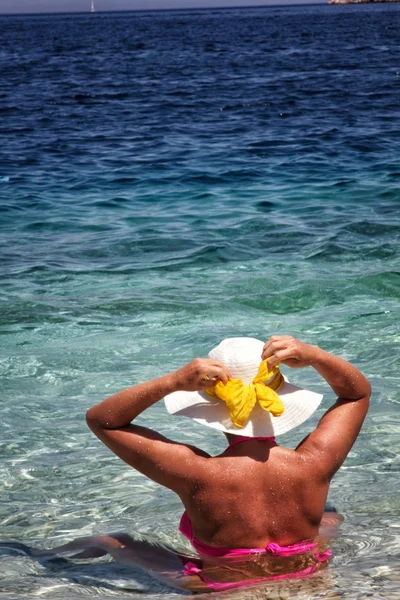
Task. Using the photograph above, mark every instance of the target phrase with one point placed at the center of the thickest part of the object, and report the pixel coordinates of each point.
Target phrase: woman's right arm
(171, 464)
(331, 441)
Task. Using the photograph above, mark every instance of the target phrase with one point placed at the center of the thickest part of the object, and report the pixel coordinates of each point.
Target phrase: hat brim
(299, 405)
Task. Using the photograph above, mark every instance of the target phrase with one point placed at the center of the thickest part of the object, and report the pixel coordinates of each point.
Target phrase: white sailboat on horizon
(92, 8)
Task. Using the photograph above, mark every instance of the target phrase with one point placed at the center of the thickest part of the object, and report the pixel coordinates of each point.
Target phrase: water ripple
(169, 179)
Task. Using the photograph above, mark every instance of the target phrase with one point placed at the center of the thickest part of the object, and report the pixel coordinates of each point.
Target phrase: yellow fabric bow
(240, 399)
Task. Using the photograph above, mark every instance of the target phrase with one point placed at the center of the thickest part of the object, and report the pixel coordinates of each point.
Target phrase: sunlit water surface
(167, 180)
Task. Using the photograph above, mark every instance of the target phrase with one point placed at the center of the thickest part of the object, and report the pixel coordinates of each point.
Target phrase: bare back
(253, 494)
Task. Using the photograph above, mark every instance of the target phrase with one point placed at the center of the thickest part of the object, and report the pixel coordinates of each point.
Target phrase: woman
(254, 512)
(256, 495)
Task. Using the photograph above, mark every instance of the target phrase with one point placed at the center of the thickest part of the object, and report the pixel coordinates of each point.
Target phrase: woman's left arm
(166, 462)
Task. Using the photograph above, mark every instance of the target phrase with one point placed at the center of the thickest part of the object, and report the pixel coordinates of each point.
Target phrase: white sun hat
(242, 356)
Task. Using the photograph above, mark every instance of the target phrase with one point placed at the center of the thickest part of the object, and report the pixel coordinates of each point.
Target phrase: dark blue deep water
(167, 180)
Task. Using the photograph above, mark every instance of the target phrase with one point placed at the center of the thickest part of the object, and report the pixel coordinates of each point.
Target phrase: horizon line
(146, 10)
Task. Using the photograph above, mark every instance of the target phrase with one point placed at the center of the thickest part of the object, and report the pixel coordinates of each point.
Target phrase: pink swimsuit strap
(243, 438)
(185, 527)
(190, 568)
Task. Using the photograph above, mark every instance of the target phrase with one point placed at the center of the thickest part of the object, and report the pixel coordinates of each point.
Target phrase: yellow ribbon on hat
(240, 399)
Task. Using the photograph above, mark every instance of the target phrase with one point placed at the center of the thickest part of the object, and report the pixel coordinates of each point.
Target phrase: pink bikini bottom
(190, 568)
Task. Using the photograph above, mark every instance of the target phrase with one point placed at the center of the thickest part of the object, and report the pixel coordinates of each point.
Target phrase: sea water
(168, 179)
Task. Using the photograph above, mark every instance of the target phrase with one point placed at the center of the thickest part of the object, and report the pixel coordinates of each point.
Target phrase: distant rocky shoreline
(359, 1)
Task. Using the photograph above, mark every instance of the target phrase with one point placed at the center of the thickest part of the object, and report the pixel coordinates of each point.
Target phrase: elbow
(364, 390)
(97, 421)
(365, 398)
(368, 391)
(91, 420)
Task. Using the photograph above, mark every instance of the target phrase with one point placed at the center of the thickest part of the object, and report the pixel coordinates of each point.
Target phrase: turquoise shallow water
(166, 180)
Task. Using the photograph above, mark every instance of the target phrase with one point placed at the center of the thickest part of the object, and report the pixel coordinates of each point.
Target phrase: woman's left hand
(201, 373)
(288, 350)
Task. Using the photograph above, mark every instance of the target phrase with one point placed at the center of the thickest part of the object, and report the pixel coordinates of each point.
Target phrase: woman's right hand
(200, 373)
